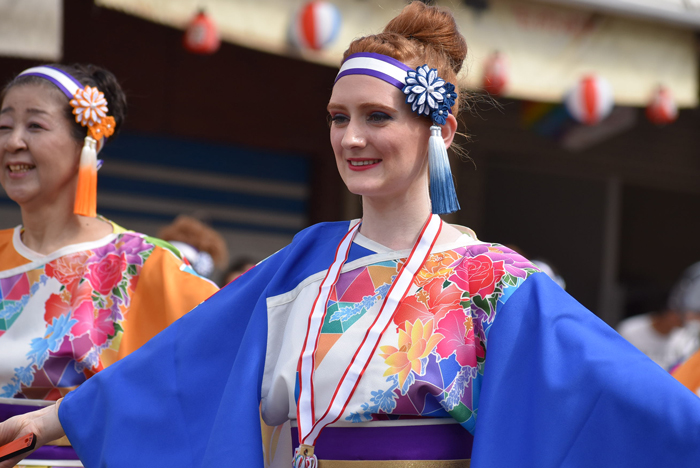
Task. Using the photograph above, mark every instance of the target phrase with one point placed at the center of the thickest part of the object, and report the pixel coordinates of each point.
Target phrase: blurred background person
(77, 291)
(688, 373)
(685, 297)
(203, 247)
(651, 331)
(594, 184)
(552, 366)
(237, 268)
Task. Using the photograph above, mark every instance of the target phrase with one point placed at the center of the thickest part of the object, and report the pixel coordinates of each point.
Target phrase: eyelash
(374, 117)
(337, 119)
(378, 117)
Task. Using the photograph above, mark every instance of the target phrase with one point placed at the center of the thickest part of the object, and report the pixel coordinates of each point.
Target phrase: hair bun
(433, 26)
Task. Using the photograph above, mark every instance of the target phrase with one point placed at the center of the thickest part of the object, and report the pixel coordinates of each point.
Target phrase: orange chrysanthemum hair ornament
(90, 109)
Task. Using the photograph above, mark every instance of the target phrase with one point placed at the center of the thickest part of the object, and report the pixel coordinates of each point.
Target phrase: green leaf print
(461, 413)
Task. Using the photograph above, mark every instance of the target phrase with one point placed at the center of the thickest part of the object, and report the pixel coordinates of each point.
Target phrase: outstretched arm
(43, 423)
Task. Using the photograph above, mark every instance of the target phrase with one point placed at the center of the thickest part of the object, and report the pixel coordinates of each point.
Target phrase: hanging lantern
(591, 100)
(496, 74)
(201, 35)
(316, 25)
(662, 108)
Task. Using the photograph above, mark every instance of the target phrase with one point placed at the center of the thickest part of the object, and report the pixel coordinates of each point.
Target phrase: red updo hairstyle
(420, 34)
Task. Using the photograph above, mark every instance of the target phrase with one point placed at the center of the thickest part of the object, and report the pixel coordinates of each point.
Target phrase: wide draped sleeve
(190, 396)
(561, 388)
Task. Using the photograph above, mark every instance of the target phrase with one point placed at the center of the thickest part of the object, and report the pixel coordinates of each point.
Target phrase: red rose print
(478, 275)
(107, 273)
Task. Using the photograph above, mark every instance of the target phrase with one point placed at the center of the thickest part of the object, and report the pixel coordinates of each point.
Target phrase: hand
(43, 423)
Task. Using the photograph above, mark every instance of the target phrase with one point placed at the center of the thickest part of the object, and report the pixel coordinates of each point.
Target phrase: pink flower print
(458, 329)
(478, 275)
(514, 263)
(434, 305)
(415, 344)
(97, 323)
(107, 273)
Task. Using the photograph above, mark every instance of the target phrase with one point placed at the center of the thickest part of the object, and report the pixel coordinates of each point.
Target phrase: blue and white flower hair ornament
(428, 95)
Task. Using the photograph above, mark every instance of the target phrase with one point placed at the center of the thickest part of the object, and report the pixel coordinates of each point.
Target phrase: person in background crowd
(651, 332)
(547, 268)
(237, 268)
(688, 373)
(685, 297)
(202, 246)
(77, 291)
(395, 340)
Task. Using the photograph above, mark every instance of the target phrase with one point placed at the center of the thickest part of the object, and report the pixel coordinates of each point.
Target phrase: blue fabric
(562, 389)
(190, 396)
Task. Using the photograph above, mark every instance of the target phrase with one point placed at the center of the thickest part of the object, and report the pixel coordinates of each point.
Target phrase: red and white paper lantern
(591, 100)
(201, 35)
(316, 25)
(662, 108)
(496, 74)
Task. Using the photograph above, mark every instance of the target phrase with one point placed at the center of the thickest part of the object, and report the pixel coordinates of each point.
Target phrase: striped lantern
(591, 100)
(662, 108)
(201, 35)
(496, 74)
(315, 25)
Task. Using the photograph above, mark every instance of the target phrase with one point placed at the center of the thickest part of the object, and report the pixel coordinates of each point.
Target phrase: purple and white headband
(65, 82)
(427, 93)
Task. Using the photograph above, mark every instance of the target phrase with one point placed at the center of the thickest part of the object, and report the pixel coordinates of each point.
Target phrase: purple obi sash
(47, 452)
(424, 442)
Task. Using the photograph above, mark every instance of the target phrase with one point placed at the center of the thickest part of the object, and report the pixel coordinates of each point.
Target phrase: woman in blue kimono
(395, 340)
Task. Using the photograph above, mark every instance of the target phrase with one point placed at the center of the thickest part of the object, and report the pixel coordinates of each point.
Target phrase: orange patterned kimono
(69, 314)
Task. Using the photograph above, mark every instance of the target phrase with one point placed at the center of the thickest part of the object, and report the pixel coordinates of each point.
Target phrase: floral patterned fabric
(430, 361)
(436, 367)
(580, 376)
(64, 319)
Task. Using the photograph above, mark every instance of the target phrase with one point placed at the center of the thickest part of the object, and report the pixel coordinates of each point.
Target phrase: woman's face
(39, 157)
(380, 146)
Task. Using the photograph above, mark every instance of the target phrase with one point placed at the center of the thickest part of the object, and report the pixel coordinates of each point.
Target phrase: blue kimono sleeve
(562, 389)
(190, 396)
(160, 406)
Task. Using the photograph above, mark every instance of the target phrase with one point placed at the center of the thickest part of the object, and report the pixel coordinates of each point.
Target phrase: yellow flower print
(415, 344)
